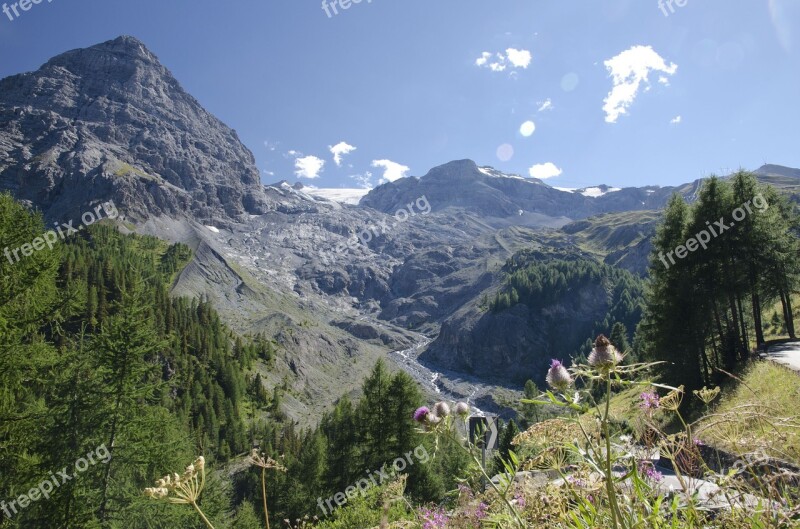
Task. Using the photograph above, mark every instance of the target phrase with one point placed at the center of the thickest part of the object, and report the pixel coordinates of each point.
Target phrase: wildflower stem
(477, 461)
(612, 497)
(203, 516)
(503, 496)
(264, 494)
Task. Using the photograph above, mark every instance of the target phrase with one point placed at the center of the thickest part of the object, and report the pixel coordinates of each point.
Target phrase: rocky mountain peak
(111, 122)
(123, 49)
(457, 170)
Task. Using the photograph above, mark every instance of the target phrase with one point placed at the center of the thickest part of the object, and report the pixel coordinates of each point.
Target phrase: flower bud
(442, 409)
(462, 408)
(558, 377)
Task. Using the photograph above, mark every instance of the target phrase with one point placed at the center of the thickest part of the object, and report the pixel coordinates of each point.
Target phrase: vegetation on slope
(758, 413)
(705, 308)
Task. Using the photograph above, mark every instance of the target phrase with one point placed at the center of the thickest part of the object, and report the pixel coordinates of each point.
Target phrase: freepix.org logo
(331, 7)
(101, 454)
(12, 11)
(421, 206)
(62, 231)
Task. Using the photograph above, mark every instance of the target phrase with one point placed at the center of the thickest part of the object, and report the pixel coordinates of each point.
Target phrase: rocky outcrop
(110, 122)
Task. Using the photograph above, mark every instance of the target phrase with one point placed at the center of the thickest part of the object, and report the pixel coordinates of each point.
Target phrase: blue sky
(408, 83)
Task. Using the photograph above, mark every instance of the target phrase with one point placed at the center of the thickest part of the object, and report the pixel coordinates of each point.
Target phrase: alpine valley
(415, 270)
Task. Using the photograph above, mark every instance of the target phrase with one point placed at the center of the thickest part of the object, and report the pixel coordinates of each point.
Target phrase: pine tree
(619, 337)
(125, 349)
(375, 418)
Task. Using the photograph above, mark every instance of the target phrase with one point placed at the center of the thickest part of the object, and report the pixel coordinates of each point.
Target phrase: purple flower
(520, 500)
(480, 511)
(433, 519)
(649, 471)
(577, 482)
(650, 400)
(421, 414)
(558, 377)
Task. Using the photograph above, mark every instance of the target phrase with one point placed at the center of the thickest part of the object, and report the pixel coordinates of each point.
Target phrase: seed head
(604, 356)
(442, 409)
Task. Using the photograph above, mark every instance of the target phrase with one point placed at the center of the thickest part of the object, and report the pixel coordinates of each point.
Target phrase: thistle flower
(421, 414)
(462, 408)
(441, 409)
(558, 377)
(604, 356)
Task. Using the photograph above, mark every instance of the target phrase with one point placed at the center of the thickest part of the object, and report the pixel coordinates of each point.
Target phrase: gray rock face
(110, 122)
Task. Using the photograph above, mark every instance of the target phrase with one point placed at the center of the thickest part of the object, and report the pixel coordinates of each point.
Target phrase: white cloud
(547, 104)
(339, 150)
(364, 180)
(498, 62)
(628, 70)
(544, 170)
(676, 120)
(483, 59)
(308, 167)
(519, 58)
(391, 170)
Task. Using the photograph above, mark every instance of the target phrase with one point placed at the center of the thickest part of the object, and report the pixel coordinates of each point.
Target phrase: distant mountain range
(338, 283)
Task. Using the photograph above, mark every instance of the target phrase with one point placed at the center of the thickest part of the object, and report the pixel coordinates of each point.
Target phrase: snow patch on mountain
(595, 192)
(341, 195)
